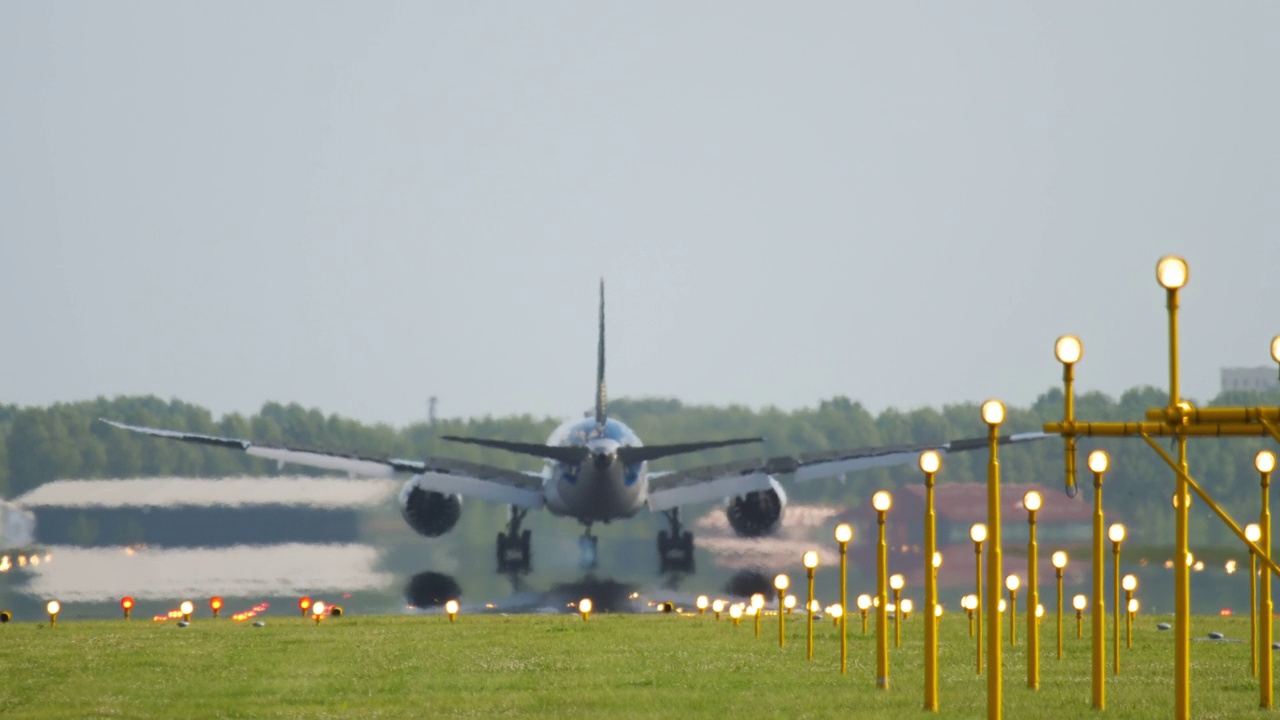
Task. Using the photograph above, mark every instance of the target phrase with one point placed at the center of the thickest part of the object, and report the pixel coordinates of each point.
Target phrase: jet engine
(428, 512)
(757, 513)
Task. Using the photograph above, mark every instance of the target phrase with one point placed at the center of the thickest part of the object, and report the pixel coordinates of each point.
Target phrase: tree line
(64, 440)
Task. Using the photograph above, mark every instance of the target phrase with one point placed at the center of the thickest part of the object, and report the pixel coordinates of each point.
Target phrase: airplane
(595, 471)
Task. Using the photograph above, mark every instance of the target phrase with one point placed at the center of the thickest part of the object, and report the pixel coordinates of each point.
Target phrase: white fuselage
(600, 488)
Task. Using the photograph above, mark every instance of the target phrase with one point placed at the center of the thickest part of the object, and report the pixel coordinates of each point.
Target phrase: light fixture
(187, 607)
(1098, 461)
(993, 412)
(451, 609)
(1171, 272)
(1068, 349)
(930, 461)
(585, 605)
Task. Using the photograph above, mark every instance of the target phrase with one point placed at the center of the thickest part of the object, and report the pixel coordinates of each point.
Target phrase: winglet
(601, 394)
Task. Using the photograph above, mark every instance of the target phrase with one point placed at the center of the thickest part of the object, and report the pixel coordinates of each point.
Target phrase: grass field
(614, 666)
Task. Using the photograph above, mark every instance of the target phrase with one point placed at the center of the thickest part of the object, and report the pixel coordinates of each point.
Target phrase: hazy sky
(357, 205)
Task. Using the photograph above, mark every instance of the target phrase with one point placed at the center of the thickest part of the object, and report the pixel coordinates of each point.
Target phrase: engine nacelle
(428, 512)
(757, 513)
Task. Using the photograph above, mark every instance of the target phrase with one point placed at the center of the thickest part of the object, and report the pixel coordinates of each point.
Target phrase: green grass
(625, 666)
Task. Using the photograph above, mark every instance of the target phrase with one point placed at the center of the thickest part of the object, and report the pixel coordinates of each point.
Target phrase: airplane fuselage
(600, 488)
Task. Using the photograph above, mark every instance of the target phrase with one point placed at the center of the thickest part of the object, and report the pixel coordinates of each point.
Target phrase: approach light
(1032, 500)
(790, 602)
(937, 610)
(1264, 461)
(1039, 610)
(1079, 602)
(782, 582)
(1130, 583)
(897, 582)
(187, 607)
(993, 412)
(215, 604)
(835, 611)
(882, 501)
(978, 532)
(1252, 532)
(1116, 533)
(702, 604)
(717, 607)
(1191, 559)
(53, 608)
(906, 606)
(864, 601)
(1171, 272)
(1059, 559)
(815, 607)
(304, 604)
(930, 461)
(1133, 605)
(844, 533)
(811, 559)
(126, 604)
(1068, 349)
(757, 601)
(1013, 583)
(451, 608)
(937, 559)
(1098, 461)
(1003, 605)
(317, 611)
(1230, 567)
(735, 613)
(1275, 348)
(584, 607)
(969, 602)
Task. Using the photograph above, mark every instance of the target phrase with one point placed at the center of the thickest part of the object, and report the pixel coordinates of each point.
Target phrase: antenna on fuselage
(601, 394)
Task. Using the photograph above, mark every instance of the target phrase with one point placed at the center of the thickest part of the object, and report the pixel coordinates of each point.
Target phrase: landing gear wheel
(513, 546)
(675, 549)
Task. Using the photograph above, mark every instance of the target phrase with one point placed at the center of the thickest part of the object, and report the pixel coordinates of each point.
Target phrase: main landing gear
(513, 545)
(675, 549)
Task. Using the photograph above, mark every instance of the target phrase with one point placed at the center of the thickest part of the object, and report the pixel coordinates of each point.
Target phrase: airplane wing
(716, 482)
(440, 475)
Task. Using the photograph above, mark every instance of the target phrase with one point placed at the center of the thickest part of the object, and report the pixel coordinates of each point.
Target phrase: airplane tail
(601, 393)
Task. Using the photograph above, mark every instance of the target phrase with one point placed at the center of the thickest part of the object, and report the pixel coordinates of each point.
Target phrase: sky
(356, 206)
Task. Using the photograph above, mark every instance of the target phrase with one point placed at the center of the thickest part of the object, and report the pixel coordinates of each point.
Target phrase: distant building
(1258, 379)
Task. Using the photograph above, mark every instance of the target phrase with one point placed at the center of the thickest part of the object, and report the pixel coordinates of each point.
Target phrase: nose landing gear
(675, 548)
(587, 550)
(513, 545)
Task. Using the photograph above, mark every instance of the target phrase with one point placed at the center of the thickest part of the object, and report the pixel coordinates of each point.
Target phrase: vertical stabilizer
(601, 394)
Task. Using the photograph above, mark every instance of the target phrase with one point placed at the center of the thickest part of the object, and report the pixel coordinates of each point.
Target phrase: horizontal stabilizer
(630, 455)
(559, 453)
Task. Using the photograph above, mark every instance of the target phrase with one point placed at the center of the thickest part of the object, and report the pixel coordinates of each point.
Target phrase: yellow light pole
(1079, 602)
(757, 602)
(1059, 564)
(53, 608)
(1171, 273)
(810, 565)
(882, 501)
(1032, 502)
(864, 603)
(897, 582)
(978, 534)
(1116, 534)
(1265, 462)
(781, 582)
(1068, 349)
(993, 415)
(844, 533)
(1129, 583)
(1253, 532)
(1098, 462)
(930, 463)
(1012, 582)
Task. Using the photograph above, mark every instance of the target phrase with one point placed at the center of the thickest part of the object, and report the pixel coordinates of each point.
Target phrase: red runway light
(1225, 612)
(126, 604)
(304, 604)
(215, 604)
